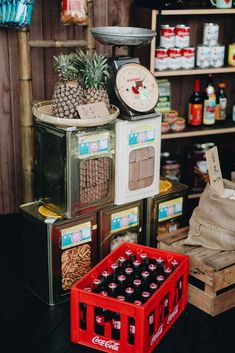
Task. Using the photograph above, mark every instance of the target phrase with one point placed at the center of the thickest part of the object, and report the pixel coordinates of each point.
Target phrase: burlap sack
(212, 224)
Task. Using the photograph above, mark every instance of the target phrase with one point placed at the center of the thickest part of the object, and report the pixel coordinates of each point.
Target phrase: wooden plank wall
(45, 25)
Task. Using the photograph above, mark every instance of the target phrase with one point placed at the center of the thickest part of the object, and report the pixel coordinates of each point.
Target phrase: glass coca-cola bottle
(121, 284)
(153, 287)
(131, 325)
(129, 294)
(129, 273)
(115, 272)
(130, 257)
(145, 277)
(100, 317)
(160, 265)
(83, 309)
(160, 279)
(112, 289)
(97, 285)
(174, 264)
(167, 271)
(137, 268)
(116, 322)
(152, 268)
(105, 278)
(122, 264)
(137, 284)
(144, 261)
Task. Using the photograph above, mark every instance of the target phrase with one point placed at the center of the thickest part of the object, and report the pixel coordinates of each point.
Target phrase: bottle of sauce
(209, 108)
(195, 106)
(221, 103)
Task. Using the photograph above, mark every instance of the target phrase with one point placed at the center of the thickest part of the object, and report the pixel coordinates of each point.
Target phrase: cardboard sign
(214, 170)
(93, 110)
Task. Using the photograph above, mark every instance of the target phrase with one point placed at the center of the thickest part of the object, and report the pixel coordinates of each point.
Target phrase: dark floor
(30, 326)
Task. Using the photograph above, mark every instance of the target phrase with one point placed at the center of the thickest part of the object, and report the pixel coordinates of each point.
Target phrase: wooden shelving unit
(203, 131)
(194, 196)
(196, 12)
(195, 71)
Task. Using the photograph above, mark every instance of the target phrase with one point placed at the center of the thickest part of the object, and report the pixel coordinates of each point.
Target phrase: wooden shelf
(197, 12)
(204, 131)
(196, 71)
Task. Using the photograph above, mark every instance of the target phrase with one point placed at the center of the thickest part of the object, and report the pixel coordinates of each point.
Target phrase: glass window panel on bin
(166, 212)
(120, 224)
(74, 168)
(56, 252)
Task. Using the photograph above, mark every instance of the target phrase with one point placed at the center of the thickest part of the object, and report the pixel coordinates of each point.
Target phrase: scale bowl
(123, 36)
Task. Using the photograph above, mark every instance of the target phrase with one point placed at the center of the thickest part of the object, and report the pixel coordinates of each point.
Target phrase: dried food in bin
(75, 263)
(118, 239)
(74, 12)
(141, 168)
(167, 227)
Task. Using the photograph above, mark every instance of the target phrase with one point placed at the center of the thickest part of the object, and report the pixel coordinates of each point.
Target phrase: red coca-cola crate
(150, 320)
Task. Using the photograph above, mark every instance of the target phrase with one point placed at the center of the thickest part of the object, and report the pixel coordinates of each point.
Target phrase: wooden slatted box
(212, 274)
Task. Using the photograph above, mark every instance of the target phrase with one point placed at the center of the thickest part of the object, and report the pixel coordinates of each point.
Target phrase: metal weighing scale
(132, 87)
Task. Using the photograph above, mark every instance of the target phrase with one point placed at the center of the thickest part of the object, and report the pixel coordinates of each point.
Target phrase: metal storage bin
(120, 224)
(74, 168)
(56, 254)
(166, 212)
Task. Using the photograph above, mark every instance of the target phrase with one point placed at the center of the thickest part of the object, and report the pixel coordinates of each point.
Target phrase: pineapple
(93, 71)
(68, 93)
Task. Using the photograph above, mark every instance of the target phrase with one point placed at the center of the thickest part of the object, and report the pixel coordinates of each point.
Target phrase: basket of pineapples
(81, 80)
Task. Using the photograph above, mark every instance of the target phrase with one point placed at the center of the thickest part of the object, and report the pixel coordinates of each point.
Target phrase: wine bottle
(195, 106)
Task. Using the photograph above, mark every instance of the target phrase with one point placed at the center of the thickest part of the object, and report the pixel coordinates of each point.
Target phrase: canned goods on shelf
(210, 34)
(231, 54)
(182, 36)
(167, 36)
(188, 57)
(175, 58)
(217, 55)
(170, 116)
(161, 59)
(179, 125)
(165, 127)
(171, 169)
(203, 56)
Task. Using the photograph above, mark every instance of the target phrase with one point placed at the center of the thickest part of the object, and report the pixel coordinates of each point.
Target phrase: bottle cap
(96, 281)
(112, 285)
(121, 298)
(129, 270)
(129, 290)
(104, 293)
(121, 278)
(137, 302)
(137, 282)
(221, 85)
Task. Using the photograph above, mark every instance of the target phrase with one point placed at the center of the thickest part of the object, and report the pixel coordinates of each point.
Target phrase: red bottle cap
(167, 270)
(153, 286)
(114, 266)
(145, 294)
(121, 298)
(129, 270)
(104, 293)
(160, 278)
(137, 302)
(97, 281)
(152, 267)
(145, 274)
(136, 263)
(129, 290)
(87, 289)
(122, 259)
(137, 282)
(105, 273)
(112, 285)
(121, 278)
(143, 256)
(128, 252)
(159, 260)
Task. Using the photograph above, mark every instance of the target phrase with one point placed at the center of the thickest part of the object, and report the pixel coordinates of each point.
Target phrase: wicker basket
(43, 112)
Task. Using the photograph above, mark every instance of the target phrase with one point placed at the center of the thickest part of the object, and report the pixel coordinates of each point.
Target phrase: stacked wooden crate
(212, 274)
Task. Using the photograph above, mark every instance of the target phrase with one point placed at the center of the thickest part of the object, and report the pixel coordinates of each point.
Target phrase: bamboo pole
(89, 37)
(57, 43)
(26, 122)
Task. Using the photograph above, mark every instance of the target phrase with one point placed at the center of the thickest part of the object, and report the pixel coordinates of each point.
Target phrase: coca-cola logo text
(162, 55)
(182, 33)
(106, 344)
(172, 315)
(157, 334)
(167, 33)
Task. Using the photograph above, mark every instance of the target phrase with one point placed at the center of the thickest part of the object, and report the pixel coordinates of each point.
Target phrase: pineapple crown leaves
(93, 69)
(65, 68)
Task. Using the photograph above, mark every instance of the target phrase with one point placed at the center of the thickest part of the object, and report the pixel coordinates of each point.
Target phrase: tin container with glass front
(74, 168)
(120, 224)
(56, 252)
(137, 160)
(166, 212)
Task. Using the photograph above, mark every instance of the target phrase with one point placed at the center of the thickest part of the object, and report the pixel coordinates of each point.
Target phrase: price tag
(215, 175)
(93, 110)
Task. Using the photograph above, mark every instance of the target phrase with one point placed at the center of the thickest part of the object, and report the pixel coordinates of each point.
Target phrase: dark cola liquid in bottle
(97, 285)
(144, 261)
(145, 277)
(152, 268)
(115, 272)
(121, 284)
(160, 279)
(129, 273)
(137, 284)
(137, 268)
(164, 307)
(100, 317)
(113, 289)
(131, 325)
(167, 271)
(83, 309)
(122, 264)
(130, 257)
(160, 265)
(145, 296)
(105, 279)
(129, 294)
(116, 322)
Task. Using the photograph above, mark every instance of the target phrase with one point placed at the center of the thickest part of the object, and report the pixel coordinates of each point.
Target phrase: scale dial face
(136, 87)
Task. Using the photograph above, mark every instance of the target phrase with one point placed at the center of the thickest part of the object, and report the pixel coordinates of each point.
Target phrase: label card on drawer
(124, 219)
(95, 144)
(141, 135)
(76, 235)
(170, 209)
